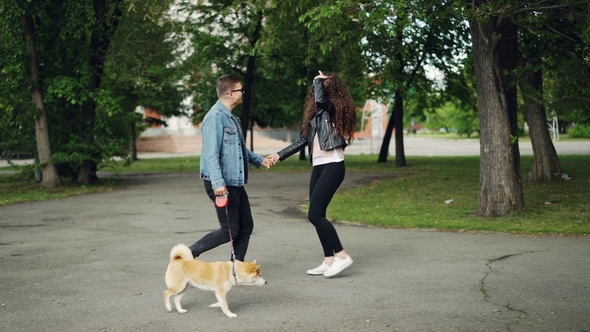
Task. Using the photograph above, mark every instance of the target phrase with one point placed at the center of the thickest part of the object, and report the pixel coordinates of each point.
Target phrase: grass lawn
(442, 193)
(18, 188)
(431, 193)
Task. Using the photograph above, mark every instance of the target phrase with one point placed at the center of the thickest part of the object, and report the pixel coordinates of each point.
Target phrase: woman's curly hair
(345, 118)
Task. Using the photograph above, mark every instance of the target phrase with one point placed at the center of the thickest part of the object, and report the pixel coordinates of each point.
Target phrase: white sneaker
(338, 266)
(319, 270)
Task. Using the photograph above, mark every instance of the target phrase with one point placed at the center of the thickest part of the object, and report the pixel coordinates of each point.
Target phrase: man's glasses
(241, 90)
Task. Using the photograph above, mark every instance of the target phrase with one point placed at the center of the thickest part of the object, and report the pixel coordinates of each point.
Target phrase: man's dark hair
(226, 83)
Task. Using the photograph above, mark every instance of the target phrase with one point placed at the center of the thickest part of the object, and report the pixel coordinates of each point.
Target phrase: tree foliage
(89, 75)
(267, 46)
(144, 67)
(222, 39)
(399, 40)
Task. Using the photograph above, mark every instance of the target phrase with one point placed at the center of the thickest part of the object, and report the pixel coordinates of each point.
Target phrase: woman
(328, 127)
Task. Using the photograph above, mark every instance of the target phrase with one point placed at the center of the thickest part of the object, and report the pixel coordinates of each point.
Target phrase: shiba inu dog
(219, 277)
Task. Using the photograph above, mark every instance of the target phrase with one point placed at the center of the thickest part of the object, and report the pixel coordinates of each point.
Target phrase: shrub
(580, 131)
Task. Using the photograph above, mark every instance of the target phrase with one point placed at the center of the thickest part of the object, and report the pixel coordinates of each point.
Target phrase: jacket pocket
(230, 135)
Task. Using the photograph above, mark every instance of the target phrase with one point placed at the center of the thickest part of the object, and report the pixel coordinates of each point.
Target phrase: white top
(321, 157)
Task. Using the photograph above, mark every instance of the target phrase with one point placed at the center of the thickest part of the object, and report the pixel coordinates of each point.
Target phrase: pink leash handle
(221, 201)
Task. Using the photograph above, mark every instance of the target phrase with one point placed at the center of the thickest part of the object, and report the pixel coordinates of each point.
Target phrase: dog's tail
(181, 251)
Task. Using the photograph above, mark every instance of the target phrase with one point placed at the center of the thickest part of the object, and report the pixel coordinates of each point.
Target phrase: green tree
(98, 64)
(144, 67)
(267, 46)
(495, 27)
(550, 39)
(565, 65)
(546, 162)
(493, 35)
(26, 52)
(224, 36)
(71, 40)
(452, 118)
(399, 39)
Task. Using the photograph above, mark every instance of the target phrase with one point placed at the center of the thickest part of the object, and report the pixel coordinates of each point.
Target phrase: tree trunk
(500, 188)
(508, 59)
(302, 155)
(546, 162)
(251, 136)
(99, 45)
(50, 178)
(133, 142)
(384, 152)
(247, 98)
(395, 121)
(398, 113)
(397, 116)
(249, 79)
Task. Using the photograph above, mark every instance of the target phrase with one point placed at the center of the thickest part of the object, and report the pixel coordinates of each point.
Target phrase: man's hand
(220, 191)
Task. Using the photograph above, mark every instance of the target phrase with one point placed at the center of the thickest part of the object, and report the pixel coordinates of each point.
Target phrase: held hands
(270, 161)
(267, 163)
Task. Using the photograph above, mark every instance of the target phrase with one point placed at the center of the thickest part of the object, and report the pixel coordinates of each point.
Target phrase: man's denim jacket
(224, 156)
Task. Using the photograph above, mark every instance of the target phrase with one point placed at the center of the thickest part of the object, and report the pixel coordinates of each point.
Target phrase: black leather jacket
(322, 124)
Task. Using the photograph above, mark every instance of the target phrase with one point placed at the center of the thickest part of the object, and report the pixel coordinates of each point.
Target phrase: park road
(97, 263)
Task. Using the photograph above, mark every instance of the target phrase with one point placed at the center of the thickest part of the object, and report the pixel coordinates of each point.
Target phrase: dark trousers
(240, 223)
(325, 180)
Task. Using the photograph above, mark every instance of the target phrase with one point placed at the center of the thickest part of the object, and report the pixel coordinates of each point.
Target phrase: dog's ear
(254, 262)
(253, 268)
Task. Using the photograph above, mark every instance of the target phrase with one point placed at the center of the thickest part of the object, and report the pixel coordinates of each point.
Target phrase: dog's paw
(215, 305)
(231, 315)
(182, 311)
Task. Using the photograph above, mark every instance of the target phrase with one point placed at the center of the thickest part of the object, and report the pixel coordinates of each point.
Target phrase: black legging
(240, 222)
(325, 180)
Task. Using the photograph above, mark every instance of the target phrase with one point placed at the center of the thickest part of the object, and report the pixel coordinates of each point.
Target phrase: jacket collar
(223, 107)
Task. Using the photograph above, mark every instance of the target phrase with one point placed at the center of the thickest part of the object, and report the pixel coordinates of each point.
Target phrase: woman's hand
(321, 75)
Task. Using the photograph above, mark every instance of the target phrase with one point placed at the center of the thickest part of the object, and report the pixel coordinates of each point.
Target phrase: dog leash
(222, 202)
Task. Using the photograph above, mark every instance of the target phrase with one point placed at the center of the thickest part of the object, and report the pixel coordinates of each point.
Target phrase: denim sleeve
(212, 130)
(255, 159)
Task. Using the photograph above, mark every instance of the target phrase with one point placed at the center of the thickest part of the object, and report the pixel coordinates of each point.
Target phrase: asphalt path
(97, 262)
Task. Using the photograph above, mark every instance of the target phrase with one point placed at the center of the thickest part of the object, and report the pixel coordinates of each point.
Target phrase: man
(224, 169)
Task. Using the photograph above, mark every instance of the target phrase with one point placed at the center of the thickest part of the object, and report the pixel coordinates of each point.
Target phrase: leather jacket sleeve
(295, 147)
(321, 99)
